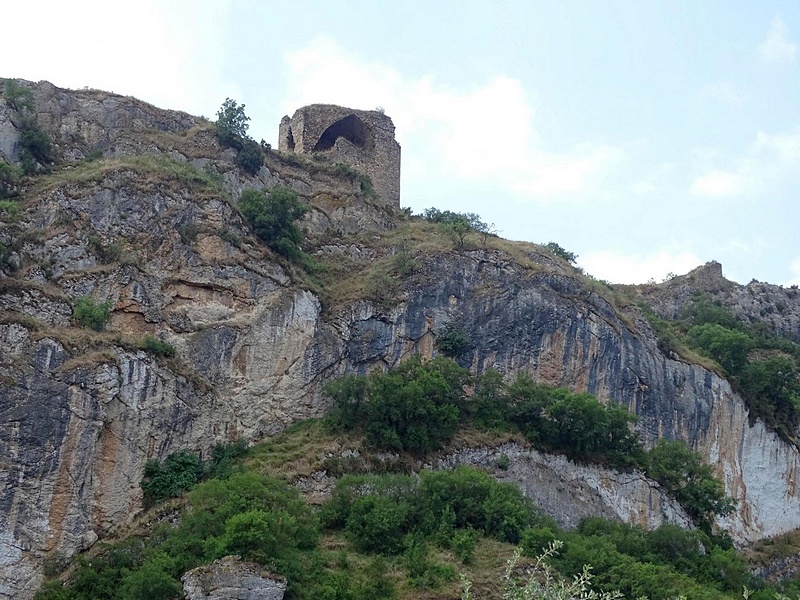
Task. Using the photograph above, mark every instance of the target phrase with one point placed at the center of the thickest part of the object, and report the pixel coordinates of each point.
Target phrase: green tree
(557, 250)
(273, 218)
(378, 524)
(692, 483)
(727, 346)
(260, 535)
(152, 581)
(452, 340)
(414, 408)
(457, 226)
(18, 97)
(232, 124)
(773, 386)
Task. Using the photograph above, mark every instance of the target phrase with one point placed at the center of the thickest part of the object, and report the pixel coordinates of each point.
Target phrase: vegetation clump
(36, 148)
(9, 176)
(273, 217)
(157, 347)
(560, 252)
(88, 313)
(457, 226)
(452, 340)
(231, 128)
(417, 408)
(182, 470)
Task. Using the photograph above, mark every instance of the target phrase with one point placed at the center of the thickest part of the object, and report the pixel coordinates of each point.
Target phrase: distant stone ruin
(362, 139)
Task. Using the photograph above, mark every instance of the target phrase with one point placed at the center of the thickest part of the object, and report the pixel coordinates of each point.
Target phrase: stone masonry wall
(359, 138)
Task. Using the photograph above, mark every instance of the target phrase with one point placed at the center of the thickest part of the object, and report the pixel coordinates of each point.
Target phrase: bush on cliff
(273, 217)
(88, 313)
(35, 143)
(231, 128)
(415, 408)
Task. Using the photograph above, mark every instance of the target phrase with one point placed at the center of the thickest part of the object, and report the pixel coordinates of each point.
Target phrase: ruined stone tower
(363, 139)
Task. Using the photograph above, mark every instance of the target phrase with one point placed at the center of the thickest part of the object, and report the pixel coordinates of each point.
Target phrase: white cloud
(766, 160)
(624, 268)
(776, 47)
(482, 133)
(722, 92)
(794, 268)
(169, 54)
(718, 184)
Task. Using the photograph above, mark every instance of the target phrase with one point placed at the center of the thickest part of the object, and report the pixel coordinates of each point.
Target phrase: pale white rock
(570, 492)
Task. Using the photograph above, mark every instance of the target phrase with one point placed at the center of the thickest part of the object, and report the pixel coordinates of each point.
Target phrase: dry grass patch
(88, 360)
(8, 317)
(299, 451)
(468, 437)
(142, 171)
(12, 284)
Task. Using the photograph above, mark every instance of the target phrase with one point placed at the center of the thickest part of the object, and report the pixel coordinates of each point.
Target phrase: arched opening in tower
(290, 140)
(350, 128)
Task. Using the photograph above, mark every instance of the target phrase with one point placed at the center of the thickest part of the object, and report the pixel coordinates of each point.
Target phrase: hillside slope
(148, 223)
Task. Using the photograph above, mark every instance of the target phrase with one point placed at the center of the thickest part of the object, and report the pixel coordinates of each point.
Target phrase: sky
(646, 137)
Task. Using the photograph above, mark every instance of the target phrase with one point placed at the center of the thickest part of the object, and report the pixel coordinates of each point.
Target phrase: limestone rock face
(569, 492)
(230, 579)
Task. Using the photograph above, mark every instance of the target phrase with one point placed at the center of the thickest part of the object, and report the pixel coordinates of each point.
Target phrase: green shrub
(703, 311)
(273, 218)
(555, 419)
(424, 571)
(250, 158)
(179, 472)
(560, 252)
(378, 524)
(88, 313)
(260, 535)
(155, 346)
(414, 408)
(772, 388)
(36, 142)
(463, 544)
(18, 97)
(691, 482)
(223, 457)
(93, 155)
(452, 340)
(9, 176)
(152, 581)
(10, 209)
(457, 226)
(726, 346)
(403, 261)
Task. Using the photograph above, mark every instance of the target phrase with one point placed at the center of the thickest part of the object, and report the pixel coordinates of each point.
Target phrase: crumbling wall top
(363, 139)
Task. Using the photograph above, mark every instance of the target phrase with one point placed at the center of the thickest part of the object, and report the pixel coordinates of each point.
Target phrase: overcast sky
(647, 137)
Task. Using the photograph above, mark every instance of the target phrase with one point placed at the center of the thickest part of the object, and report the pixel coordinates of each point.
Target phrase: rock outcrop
(231, 579)
(569, 492)
(82, 412)
(773, 306)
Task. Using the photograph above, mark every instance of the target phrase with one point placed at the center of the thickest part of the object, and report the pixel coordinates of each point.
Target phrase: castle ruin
(362, 139)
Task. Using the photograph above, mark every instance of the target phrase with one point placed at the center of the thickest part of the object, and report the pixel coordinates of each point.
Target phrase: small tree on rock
(273, 218)
(232, 124)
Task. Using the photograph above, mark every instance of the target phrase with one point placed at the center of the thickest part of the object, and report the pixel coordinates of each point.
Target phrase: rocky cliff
(150, 226)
